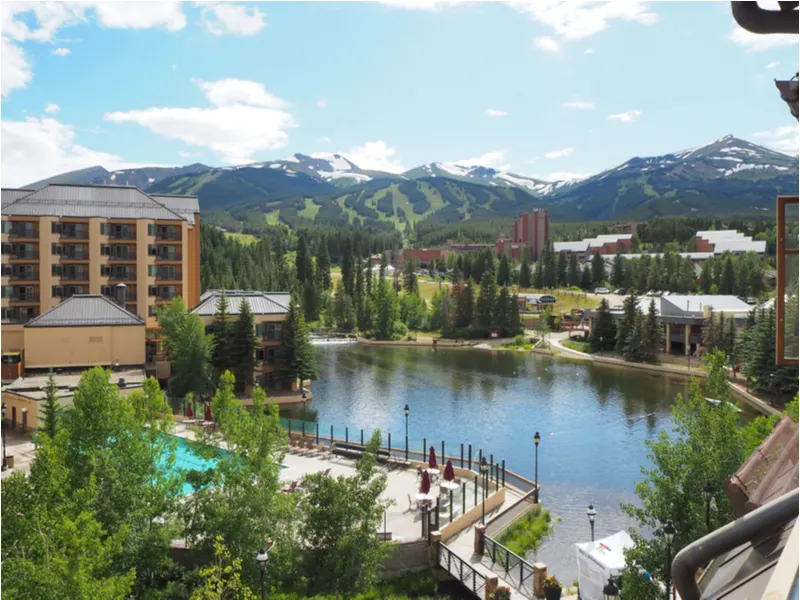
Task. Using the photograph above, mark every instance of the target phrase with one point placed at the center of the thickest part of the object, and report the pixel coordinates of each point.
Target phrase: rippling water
(594, 421)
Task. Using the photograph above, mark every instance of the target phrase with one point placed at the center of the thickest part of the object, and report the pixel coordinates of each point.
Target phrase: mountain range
(728, 177)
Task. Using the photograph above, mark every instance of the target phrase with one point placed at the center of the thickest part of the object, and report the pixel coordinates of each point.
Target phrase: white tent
(599, 560)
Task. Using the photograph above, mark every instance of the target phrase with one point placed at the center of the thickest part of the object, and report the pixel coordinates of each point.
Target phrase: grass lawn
(566, 301)
(528, 532)
(576, 345)
(242, 238)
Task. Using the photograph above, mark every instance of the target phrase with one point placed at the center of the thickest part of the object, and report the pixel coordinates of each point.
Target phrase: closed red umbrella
(432, 458)
(449, 474)
(425, 486)
(208, 412)
(189, 410)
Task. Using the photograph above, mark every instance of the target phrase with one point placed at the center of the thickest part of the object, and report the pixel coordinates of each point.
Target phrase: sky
(552, 89)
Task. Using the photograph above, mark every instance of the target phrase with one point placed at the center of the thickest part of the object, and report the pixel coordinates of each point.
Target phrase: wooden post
(477, 544)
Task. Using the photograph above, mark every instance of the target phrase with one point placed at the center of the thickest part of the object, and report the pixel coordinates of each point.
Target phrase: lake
(594, 421)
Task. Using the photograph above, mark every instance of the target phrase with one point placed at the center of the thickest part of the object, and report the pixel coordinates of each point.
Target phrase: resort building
(531, 231)
(728, 240)
(683, 317)
(269, 311)
(608, 244)
(64, 240)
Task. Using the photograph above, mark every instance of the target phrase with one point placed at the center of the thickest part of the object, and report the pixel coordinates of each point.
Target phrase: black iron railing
(519, 572)
(464, 572)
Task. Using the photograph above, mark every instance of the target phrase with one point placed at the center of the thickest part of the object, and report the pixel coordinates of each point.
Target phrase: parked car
(651, 294)
(620, 292)
(601, 290)
(751, 301)
(616, 307)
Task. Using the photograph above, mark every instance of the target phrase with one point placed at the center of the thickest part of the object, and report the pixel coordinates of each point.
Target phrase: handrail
(456, 566)
(491, 547)
(734, 534)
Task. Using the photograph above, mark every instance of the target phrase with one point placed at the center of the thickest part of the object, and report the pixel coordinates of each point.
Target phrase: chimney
(121, 294)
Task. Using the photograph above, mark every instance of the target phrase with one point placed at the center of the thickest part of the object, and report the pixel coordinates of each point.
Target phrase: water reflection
(594, 420)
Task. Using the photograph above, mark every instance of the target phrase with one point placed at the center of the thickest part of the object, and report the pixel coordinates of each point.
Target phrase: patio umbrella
(208, 412)
(189, 410)
(425, 486)
(432, 458)
(449, 477)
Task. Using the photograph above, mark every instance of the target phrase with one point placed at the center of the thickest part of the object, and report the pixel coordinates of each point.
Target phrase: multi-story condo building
(64, 240)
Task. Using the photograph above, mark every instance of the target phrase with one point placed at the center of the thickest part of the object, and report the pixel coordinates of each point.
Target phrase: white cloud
(554, 154)
(626, 117)
(589, 51)
(62, 51)
(753, 42)
(52, 108)
(321, 103)
(494, 159)
(773, 64)
(324, 140)
(14, 68)
(565, 176)
(37, 148)
(429, 5)
(784, 139)
(493, 112)
(578, 19)
(224, 17)
(375, 156)
(244, 119)
(183, 154)
(174, 67)
(139, 15)
(579, 105)
(546, 44)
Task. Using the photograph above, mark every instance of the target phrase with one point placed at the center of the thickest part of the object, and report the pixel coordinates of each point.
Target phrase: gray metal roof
(695, 304)
(10, 195)
(85, 310)
(581, 246)
(261, 303)
(104, 201)
(185, 206)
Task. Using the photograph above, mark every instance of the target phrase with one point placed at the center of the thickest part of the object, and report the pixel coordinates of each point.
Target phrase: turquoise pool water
(186, 460)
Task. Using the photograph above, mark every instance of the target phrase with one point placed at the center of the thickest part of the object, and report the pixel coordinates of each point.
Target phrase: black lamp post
(708, 492)
(591, 513)
(262, 559)
(610, 590)
(406, 411)
(3, 425)
(484, 471)
(536, 439)
(669, 535)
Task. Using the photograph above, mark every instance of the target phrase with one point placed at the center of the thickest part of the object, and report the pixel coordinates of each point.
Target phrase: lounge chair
(412, 504)
(289, 488)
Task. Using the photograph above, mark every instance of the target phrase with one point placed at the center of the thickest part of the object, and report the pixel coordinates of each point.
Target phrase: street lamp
(261, 558)
(708, 492)
(406, 411)
(669, 535)
(536, 439)
(484, 471)
(610, 590)
(591, 513)
(3, 426)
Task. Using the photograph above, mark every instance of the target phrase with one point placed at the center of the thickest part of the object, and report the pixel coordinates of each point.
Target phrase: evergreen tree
(618, 271)
(550, 266)
(727, 282)
(653, 334)
(500, 310)
(484, 307)
(504, 271)
(561, 270)
(385, 311)
(630, 309)
(361, 300)
(604, 331)
(410, 284)
(310, 300)
(710, 331)
(413, 311)
(222, 328)
(598, 269)
(513, 319)
(348, 267)
(706, 277)
(525, 272)
(304, 268)
(323, 271)
(573, 270)
(464, 298)
(50, 407)
(586, 277)
(344, 313)
(635, 349)
(538, 276)
(243, 350)
(295, 356)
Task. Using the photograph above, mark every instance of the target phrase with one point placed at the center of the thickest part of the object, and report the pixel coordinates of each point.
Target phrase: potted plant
(552, 588)
(501, 593)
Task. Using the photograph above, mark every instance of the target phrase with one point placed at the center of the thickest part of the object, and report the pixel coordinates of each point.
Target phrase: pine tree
(706, 277)
(538, 276)
(348, 267)
(653, 334)
(630, 308)
(222, 328)
(385, 311)
(310, 300)
(304, 268)
(550, 266)
(525, 273)
(561, 270)
(295, 356)
(604, 331)
(410, 284)
(573, 270)
(598, 269)
(727, 282)
(464, 296)
(243, 351)
(586, 277)
(361, 300)
(323, 271)
(709, 333)
(618, 271)
(343, 311)
(484, 307)
(504, 271)
(634, 349)
(500, 310)
(513, 317)
(50, 407)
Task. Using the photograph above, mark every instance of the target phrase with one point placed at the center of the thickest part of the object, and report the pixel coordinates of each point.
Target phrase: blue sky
(551, 89)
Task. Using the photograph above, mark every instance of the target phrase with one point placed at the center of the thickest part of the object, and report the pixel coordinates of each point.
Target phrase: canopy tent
(599, 560)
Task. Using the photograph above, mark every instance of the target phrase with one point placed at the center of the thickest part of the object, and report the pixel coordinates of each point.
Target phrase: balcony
(122, 275)
(74, 234)
(168, 256)
(129, 254)
(166, 297)
(75, 276)
(121, 236)
(168, 236)
(18, 232)
(23, 276)
(169, 276)
(24, 255)
(16, 316)
(28, 297)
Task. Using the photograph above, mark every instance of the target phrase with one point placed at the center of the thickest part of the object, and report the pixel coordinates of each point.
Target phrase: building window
(152, 310)
(787, 286)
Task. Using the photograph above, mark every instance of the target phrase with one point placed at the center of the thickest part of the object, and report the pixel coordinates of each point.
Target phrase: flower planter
(552, 593)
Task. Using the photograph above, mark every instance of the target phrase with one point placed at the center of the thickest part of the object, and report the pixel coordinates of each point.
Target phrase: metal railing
(25, 233)
(168, 256)
(464, 572)
(24, 254)
(519, 571)
(73, 234)
(24, 297)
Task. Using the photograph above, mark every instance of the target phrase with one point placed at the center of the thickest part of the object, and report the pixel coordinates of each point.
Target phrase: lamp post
(3, 426)
(669, 535)
(536, 439)
(261, 558)
(772, 388)
(484, 471)
(406, 411)
(708, 492)
(610, 590)
(591, 513)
